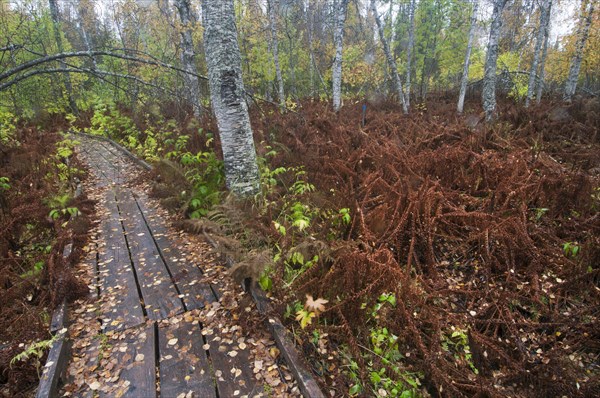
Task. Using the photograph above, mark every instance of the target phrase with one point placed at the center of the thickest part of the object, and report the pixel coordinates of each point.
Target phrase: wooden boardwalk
(159, 326)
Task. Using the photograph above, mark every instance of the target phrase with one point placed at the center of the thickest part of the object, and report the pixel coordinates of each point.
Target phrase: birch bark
(188, 54)
(338, 39)
(489, 76)
(271, 7)
(582, 34)
(465, 75)
(541, 34)
(223, 60)
(390, 58)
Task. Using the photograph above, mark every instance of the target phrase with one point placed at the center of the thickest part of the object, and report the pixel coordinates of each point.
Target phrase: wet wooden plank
(123, 308)
(233, 374)
(186, 275)
(54, 369)
(138, 363)
(161, 297)
(184, 366)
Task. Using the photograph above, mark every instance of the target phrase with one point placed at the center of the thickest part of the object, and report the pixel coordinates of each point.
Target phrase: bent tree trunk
(224, 64)
(390, 58)
(465, 75)
(192, 85)
(541, 34)
(58, 38)
(489, 76)
(582, 35)
(338, 38)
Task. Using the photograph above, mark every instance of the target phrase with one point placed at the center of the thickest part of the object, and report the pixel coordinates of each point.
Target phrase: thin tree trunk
(489, 77)
(309, 28)
(540, 39)
(390, 59)
(541, 74)
(188, 55)
(54, 14)
(271, 6)
(465, 75)
(409, 50)
(84, 33)
(338, 39)
(224, 62)
(582, 35)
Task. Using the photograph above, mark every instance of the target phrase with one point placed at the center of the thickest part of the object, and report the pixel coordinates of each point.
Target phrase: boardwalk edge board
(304, 377)
(56, 364)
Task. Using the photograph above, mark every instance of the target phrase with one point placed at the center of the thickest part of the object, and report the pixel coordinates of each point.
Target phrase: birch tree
(390, 59)
(540, 38)
(587, 9)
(338, 39)
(224, 62)
(409, 49)
(188, 54)
(54, 14)
(489, 75)
(465, 75)
(542, 72)
(271, 7)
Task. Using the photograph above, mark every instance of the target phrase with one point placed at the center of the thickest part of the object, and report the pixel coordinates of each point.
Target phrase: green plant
(296, 265)
(206, 174)
(571, 249)
(265, 281)
(4, 184)
(299, 216)
(38, 267)
(457, 343)
(36, 351)
(59, 207)
(539, 213)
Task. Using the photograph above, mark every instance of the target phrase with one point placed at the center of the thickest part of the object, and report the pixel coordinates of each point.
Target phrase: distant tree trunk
(489, 77)
(271, 7)
(540, 39)
(224, 62)
(192, 85)
(309, 28)
(338, 39)
(390, 58)
(409, 50)
(541, 74)
(465, 75)
(58, 38)
(84, 33)
(587, 10)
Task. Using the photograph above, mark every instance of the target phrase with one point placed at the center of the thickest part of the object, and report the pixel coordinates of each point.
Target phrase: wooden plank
(184, 366)
(186, 275)
(233, 374)
(54, 369)
(138, 363)
(161, 297)
(116, 274)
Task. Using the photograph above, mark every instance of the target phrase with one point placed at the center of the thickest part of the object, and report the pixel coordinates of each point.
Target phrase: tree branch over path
(60, 56)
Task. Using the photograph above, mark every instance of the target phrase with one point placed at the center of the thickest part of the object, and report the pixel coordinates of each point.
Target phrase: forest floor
(426, 254)
(450, 258)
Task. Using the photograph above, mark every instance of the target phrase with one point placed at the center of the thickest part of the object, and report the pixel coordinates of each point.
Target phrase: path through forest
(164, 319)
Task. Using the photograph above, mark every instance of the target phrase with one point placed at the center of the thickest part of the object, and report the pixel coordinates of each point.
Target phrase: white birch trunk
(541, 34)
(542, 72)
(489, 77)
(84, 33)
(54, 14)
(582, 35)
(271, 7)
(224, 64)
(192, 85)
(409, 50)
(338, 39)
(390, 59)
(465, 75)
(309, 28)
